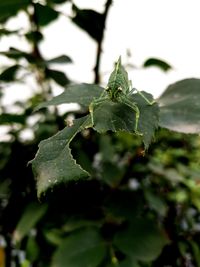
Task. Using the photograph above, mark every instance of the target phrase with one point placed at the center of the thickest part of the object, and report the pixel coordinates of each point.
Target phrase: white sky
(165, 29)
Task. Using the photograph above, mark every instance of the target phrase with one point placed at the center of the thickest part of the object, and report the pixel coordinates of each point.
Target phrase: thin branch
(99, 45)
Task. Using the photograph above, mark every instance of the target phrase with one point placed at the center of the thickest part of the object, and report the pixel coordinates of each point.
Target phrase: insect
(119, 90)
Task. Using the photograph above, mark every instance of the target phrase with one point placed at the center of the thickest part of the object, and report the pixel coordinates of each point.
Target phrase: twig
(99, 45)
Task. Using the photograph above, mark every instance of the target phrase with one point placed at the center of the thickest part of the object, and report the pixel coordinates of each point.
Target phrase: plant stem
(99, 45)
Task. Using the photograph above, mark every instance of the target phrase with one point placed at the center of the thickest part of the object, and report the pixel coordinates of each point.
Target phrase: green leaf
(73, 224)
(32, 214)
(57, 1)
(9, 8)
(141, 240)
(34, 36)
(81, 249)
(107, 149)
(9, 74)
(12, 53)
(156, 202)
(128, 262)
(149, 117)
(32, 249)
(4, 184)
(155, 62)
(112, 174)
(53, 236)
(8, 118)
(124, 205)
(61, 59)
(5, 32)
(119, 117)
(90, 21)
(58, 76)
(16, 54)
(45, 14)
(196, 252)
(83, 94)
(53, 163)
(180, 106)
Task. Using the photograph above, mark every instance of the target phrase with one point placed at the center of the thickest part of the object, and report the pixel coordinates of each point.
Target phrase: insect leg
(134, 107)
(131, 91)
(91, 110)
(144, 97)
(95, 103)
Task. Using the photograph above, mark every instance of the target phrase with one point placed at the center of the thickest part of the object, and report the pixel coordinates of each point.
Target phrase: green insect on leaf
(119, 90)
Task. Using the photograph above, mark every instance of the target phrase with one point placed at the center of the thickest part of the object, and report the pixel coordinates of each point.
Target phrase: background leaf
(34, 36)
(58, 76)
(45, 14)
(81, 249)
(30, 217)
(90, 21)
(8, 118)
(9, 8)
(63, 59)
(9, 74)
(155, 62)
(57, 1)
(128, 262)
(5, 32)
(83, 94)
(54, 163)
(180, 106)
(141, 240)
(17, 54)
